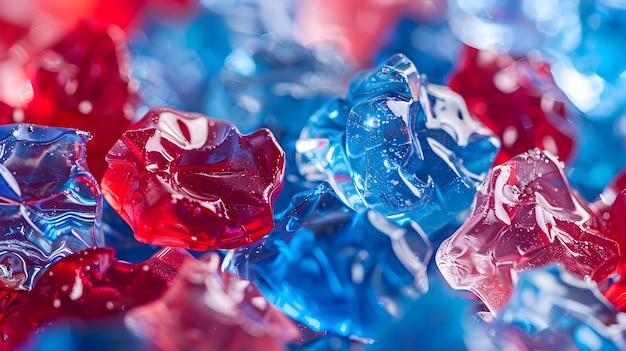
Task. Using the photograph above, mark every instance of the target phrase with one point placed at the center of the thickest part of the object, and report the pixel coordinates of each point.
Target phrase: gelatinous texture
(90, 284)
(82, 82)
(525, 216)
(276, 84)
(187, 180)
(518, 100)
(206, 309)
(50, 205)
(332, 269)
(403, 148)
(552, 309)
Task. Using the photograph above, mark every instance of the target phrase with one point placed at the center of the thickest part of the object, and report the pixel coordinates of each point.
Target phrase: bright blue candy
(276, 84)
(50, 205)
(332, 269)
(553, 309)
(399, 146)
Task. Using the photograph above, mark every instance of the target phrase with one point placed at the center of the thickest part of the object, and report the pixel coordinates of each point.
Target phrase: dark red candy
(517, 99)
(187, 180)
(82, 82)
(89, 284)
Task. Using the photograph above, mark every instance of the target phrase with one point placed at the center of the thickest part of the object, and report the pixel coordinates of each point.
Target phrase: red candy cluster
(186, 180)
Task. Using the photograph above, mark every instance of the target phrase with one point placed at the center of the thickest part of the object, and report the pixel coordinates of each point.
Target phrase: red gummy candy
(186, 180)
(525, 216)
(206, 309)
(82, 82)
(88, 284)
(516, 99)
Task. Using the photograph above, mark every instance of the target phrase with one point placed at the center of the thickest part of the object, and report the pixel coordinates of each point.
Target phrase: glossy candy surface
(525, 216)
(187, 180)
(518, 100)
(206, 309)
(553, 309)
(91, 284)
(82, 82)
(50, 205)
(333, 269)
(399, 146)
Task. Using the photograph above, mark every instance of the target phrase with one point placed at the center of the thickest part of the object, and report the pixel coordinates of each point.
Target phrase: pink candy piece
(206, 309)
(525, 216)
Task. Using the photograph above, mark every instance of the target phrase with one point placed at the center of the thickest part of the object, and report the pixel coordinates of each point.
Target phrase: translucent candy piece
(405, 149)
(332, 269)
(552, 309)
(90, 284)
(50, 205)
(82, 82)
(276, 84)
(206, 309)
(518, 100)
(187, 180)
(525, 216)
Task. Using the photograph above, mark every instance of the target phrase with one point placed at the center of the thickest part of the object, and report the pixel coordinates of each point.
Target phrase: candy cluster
(312, 175)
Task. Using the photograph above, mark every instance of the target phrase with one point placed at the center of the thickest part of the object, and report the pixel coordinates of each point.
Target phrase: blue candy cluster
(334, 269)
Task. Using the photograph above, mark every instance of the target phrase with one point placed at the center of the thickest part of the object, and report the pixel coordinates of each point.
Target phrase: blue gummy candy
(50, 205)
(553, 309)
(406, 149)
(335, 270)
